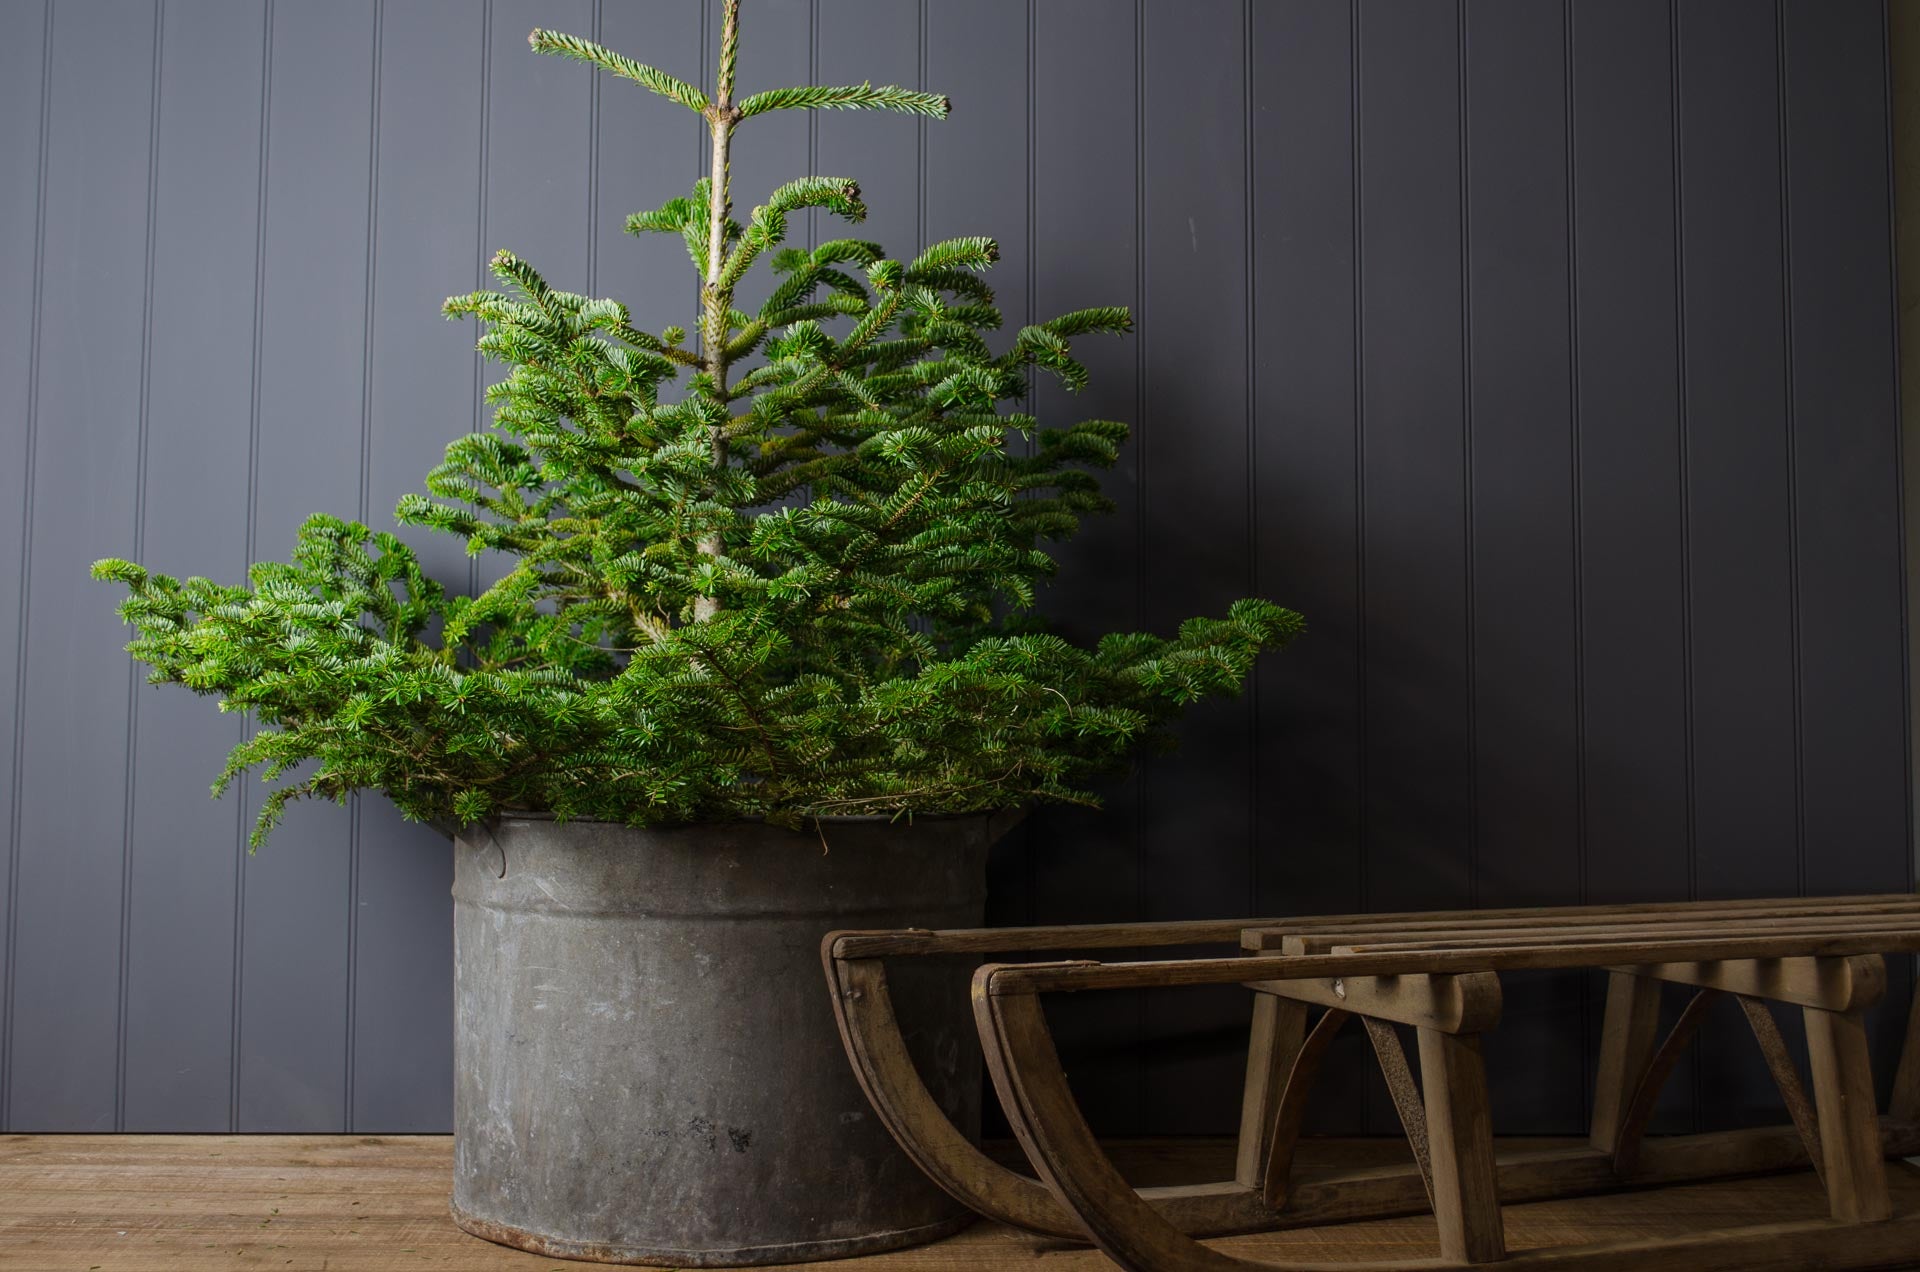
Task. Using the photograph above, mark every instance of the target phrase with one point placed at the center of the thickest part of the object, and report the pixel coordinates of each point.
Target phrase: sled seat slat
(1105, 936)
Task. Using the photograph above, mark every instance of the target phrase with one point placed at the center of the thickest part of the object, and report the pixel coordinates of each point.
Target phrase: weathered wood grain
(178, 1203)
(1628, 1035)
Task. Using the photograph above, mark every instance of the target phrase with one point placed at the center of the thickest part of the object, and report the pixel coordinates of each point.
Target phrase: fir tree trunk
(720, 119)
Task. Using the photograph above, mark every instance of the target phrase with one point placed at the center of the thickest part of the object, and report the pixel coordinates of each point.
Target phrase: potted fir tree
(762, 667)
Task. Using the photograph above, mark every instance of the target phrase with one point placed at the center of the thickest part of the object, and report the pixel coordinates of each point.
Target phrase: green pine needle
(847, 97)
(836, 194)
(960, 253)
(563, 45)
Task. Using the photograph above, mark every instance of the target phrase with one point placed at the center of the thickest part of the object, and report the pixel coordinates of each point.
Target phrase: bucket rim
(829, 819)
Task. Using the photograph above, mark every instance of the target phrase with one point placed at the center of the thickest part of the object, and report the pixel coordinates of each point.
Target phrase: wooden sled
(1439, 974)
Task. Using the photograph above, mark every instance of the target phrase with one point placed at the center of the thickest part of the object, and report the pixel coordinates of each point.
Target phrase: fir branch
(837, 195)
(572, 46)
(961, 253)
(847, 97)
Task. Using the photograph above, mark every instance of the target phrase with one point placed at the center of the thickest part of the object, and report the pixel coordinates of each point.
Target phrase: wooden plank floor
(201, 1203)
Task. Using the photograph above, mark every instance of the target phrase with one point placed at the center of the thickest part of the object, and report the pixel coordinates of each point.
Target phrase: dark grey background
(1542, 354)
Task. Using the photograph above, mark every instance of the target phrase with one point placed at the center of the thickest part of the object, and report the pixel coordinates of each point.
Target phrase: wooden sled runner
(1437, 973)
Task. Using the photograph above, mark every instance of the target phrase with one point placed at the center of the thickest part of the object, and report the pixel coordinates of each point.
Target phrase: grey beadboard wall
(1543, 353)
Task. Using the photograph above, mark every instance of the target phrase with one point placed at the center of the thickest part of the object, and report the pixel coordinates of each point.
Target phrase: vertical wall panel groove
(480, 249)
(1356, 130)
(25, 212)
(1363, 1087)
(139, 554)
(1738, 473)
(1685, 455)
(1693, 1083)
(1570, 180)
(1522, 654)
(977, 182)
(535, 182)
(1541, 354)
(1739, 482)
(1307, 799)
(1463, 108)
(599, 36)
(426, 142)
(1085, 868)
(877, 40)
(650, 272)
(1844, 411)
(1195, 516)
(1793, 474)
(1142, 326)
(296, 989)
(1575, 562)
(252, 543)
(1249, 354)
(178, 924)
(1628, 505)
(1904, 516)
(1417, 703)
(72, 785)
(356, 838)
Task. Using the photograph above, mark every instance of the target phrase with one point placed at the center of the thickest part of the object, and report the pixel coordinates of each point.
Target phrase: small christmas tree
(800, 587)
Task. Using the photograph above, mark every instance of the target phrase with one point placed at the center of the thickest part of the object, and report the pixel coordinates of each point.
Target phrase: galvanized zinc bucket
(647, 1068)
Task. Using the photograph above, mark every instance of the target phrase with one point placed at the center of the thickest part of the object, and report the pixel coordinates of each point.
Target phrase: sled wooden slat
(1348, 961)
(1268, 935)
(1438, 973)
(1436, 938)
(1113, 936)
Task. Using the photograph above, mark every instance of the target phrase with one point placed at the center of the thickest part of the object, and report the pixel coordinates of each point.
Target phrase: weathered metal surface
(646, 1063)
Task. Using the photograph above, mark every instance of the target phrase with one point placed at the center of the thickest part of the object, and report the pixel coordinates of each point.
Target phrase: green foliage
(847, 97)
(607, 60)
(800, 593)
